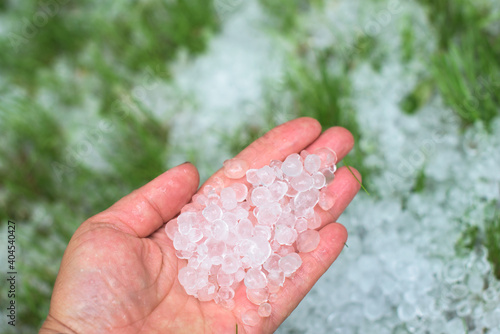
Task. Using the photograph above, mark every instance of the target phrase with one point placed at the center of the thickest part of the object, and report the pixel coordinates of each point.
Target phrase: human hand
(119, 271)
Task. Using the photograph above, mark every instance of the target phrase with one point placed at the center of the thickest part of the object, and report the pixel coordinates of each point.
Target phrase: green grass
(51, 188)
(122, 40)
(487, 234)
(466, 66)
(492, 242)
(284, 16)
(418, 97)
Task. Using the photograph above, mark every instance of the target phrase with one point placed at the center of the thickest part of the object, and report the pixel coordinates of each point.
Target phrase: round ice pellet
(212, 212)
(312, 163)
(327, 155)
(171, 228)
(302, 182)
(240, 191)
(250, 318)
(230, 264)
(255, 279)
(326, 199)
(307, 241)
(290, 263)
(265, 310)
(235, 168)
(292, 166)
(226, 292)
(257, 296)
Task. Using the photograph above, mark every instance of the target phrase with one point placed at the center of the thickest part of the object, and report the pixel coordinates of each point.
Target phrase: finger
(277, 144)
(315, 264)
(144, 210)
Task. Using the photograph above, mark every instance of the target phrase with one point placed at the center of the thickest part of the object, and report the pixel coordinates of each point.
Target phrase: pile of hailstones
(252, 234)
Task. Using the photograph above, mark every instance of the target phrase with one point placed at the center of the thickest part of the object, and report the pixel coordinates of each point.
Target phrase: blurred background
(97, 98)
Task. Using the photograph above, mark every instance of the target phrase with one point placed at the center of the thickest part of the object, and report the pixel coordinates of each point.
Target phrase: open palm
(119, 271)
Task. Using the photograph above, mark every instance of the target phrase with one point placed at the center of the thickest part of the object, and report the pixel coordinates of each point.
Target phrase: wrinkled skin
(119, 271)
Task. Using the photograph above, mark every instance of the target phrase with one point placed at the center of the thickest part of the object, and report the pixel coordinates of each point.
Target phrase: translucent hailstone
(312, 163)
(226, 292)
(302, 182)
(287, 219)
(273, 297)
(186, 220)
(244, 229)
(327, 156)
(250, 317)
(262, 231)
(329, 174)
(285, 250)
(207, 293)
(276, 166)
(253, 177)
(188, 277)
(239, 275)
(269, 214)
(275, 278)
(300, 225)
(266, 175)
(306, 199)
(230, 264)
(272, 263)
(228, 198)
(219, 229)
(307, 241)
(257, 296)
(278, 189)
(326, 199)
(319, 180)
(212, 212)
(255, 279)
(224, 279)
(180, 241)
(195, 235)
(265, 310)
(228, 304)
(290, 263)
(231, 219)
(314, 222)
(261, 196)
(292, 166)
(171, 228)
(285, 235)
(235, 168)
(215, 247)
(257, 249)
(240, 191)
